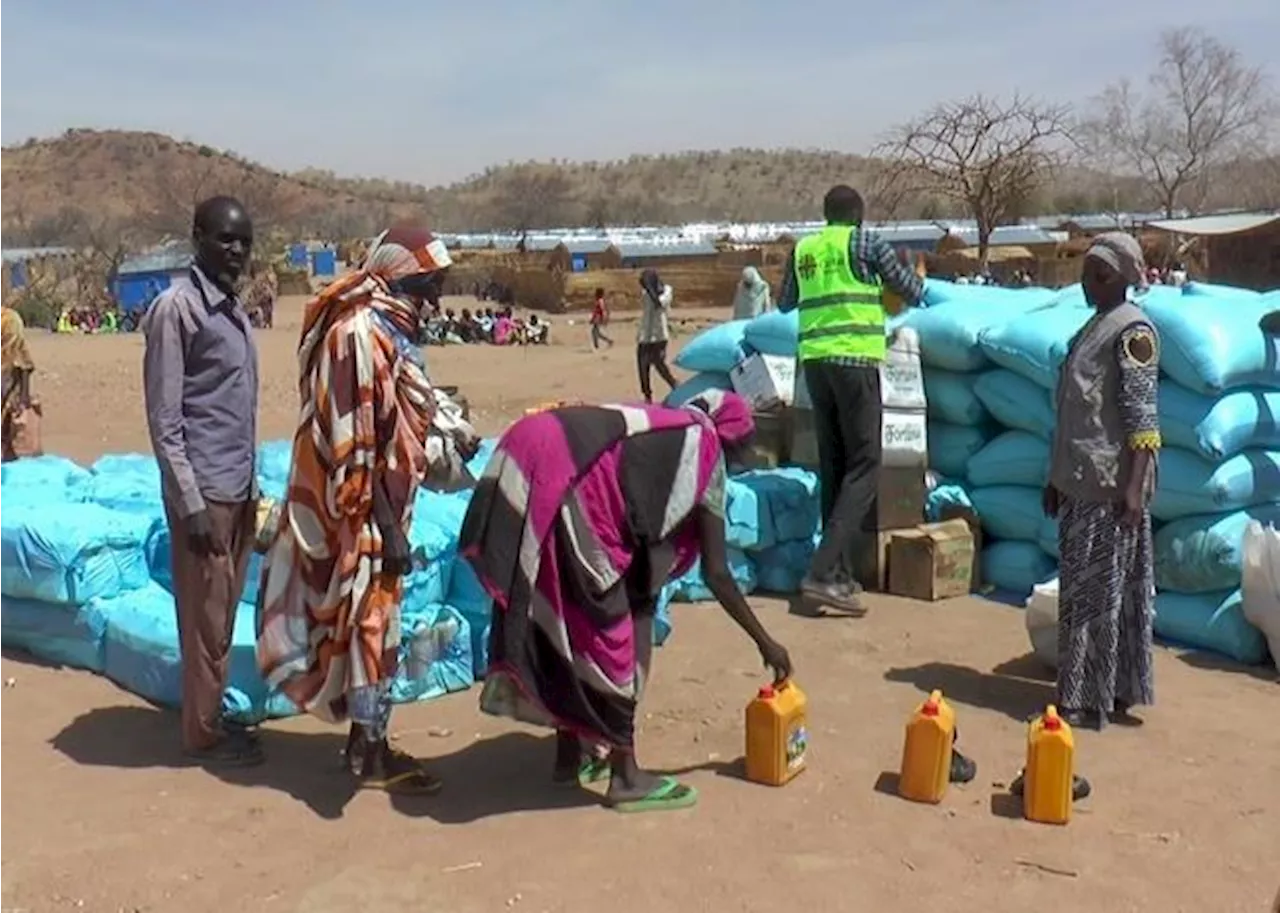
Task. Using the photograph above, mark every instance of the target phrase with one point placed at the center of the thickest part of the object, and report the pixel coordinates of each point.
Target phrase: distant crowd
(498, 328)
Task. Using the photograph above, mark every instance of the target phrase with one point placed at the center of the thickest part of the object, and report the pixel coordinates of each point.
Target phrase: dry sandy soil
(100, 814)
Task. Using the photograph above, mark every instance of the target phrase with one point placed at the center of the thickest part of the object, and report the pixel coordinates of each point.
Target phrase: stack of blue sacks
(992, 358)
(772, 515)
(87, 582)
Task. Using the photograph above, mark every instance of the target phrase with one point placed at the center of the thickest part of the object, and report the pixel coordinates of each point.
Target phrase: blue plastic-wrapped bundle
(1012, 458)
(1211, 343)
(71, 635)
(128, 482)
(718, 348)
(1201, 554)
(1016, 567)
(690, 587)
(1190, 484)
(951, 398)
(1016, 402)
(787, 500)
(71, 552)
(1210, 621)
(956, 316)
(1219, 427)
(781, 568)
(1010, 511)
(43, 479)
(950, 447)
(1035, 343)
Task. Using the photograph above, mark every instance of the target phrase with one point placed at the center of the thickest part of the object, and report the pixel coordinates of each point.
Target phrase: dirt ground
(100, 813)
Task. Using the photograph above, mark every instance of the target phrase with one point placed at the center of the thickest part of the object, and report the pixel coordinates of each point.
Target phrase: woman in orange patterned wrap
(329, 611)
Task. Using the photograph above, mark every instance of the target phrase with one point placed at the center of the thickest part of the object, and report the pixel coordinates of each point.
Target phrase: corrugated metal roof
(168, 258)
(19, 254)
(679, 248)
(1217, 225)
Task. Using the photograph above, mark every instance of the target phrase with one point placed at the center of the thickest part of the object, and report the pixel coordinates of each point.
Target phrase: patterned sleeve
(713, 498)
(1138, 352)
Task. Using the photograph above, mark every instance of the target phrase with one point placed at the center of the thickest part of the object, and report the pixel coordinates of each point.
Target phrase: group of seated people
(94, 320)
(499, 328)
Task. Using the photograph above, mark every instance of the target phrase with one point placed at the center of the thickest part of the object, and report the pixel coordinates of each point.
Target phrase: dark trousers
(597, 336)
(846, 417)
(652, 355)
(206, 590)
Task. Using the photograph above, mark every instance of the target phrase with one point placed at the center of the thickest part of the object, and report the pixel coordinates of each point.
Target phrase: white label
(765, 381)
(902, 380)
(903, 439)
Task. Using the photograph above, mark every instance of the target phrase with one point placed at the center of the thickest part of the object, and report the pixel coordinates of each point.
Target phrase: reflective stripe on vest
(840, 315)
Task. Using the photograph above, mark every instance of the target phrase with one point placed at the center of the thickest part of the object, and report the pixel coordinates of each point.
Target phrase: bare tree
(532, 196)
(1203, 107)
(988, 155)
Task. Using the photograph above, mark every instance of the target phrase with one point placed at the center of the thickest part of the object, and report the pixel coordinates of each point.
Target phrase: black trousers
(652, 355)
(846, 417)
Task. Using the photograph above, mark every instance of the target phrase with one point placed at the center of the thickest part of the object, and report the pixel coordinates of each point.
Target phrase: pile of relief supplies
(992, 358)
(774, 517)
(87, 582)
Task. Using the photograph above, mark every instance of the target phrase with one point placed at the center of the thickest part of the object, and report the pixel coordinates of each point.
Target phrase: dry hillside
(87, 186)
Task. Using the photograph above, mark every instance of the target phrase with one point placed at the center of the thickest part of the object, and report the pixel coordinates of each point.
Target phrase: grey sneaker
(839, 596)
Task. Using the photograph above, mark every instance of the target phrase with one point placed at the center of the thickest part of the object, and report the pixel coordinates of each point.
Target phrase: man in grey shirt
(200, 374)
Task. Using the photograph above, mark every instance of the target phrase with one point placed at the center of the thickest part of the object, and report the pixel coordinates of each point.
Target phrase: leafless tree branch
(1203, 108)
(990, 156)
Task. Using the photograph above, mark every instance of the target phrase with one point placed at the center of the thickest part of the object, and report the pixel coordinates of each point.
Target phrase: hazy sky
(434, 90)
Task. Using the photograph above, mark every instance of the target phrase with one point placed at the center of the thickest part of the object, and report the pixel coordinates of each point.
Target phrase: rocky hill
(88, 184)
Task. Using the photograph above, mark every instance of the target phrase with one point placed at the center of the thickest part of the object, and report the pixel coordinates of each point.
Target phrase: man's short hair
(842, 204)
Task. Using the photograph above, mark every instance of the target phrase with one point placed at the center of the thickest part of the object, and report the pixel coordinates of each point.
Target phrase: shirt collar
(213, 295)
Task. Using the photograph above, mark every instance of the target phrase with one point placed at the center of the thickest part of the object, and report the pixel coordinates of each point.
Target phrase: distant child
(599, 320)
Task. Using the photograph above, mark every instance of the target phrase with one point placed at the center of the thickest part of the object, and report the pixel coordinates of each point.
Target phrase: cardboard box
(900, 495)
(958, 512)
(933, 561)
(904, 439)
(771, 445)
(765, 381)
(804, 440)
(872, 566)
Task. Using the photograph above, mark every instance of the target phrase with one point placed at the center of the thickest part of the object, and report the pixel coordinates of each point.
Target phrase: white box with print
(901, 375)
(904, 440)
(765, 381)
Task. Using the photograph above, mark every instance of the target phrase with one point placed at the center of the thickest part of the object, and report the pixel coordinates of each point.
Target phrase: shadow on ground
(1198, 659)
(498, 776)
(1017, 688)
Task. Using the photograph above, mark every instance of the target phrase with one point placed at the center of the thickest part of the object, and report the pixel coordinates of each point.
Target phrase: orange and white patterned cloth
(329, 621)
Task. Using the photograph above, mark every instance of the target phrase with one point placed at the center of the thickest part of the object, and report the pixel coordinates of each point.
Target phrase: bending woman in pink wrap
(581, 517)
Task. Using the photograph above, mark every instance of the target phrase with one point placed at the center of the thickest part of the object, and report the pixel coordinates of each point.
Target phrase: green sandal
(669, 795)
(591, 770)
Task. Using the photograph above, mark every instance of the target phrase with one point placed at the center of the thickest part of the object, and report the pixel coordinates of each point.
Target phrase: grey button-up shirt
(200, 374)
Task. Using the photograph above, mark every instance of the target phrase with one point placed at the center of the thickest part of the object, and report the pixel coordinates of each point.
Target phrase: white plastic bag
(1260, 582)
(1042, 622)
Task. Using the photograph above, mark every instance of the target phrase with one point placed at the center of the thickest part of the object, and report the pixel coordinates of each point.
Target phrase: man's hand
(396, 559)
(200, 535)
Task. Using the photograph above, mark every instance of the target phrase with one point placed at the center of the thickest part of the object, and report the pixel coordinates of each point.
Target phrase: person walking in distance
(653, 334)
(200, 376)
(599, 320)
(834, 279)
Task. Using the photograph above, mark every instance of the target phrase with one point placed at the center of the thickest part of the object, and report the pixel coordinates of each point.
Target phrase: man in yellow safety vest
(834, 278)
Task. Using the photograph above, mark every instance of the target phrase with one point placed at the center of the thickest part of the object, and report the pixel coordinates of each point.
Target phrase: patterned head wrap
(1122, 253)
(728, 412)
(405, 250)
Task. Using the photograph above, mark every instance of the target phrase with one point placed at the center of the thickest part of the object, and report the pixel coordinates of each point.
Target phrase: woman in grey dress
(1102, 478)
